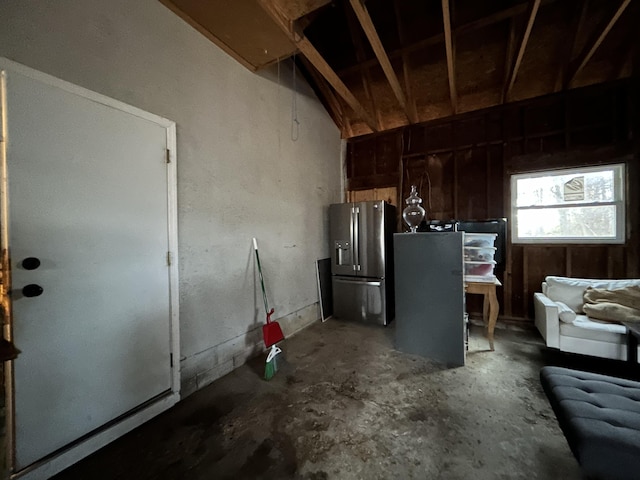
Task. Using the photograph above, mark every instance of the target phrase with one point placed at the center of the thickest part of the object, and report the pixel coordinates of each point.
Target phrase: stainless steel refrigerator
(362, 260)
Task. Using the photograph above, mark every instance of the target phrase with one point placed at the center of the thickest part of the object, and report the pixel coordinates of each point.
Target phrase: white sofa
(578, 333)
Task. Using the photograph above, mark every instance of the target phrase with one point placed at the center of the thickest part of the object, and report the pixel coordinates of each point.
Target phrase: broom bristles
(271, 365)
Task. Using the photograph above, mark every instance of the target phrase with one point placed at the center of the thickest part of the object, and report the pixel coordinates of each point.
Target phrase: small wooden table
(490, 306)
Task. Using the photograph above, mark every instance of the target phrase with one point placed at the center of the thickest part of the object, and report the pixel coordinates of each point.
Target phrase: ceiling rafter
(532, 11)
(592, 46)
(577, 25)
(376, 44)
(450, 49)
(311, 53)
(456, 31)
(508, 57)
(406, 68)
(335, 109)
(365, 72)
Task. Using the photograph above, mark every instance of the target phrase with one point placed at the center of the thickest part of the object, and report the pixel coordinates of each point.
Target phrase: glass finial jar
(414, 213)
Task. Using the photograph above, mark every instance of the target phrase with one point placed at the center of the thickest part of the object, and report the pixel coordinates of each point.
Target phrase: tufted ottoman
(600, 417)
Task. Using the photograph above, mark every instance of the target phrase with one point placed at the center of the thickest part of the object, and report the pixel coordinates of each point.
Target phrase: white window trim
(620, 186)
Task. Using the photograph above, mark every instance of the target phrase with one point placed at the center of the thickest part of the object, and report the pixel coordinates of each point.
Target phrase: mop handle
(264, 294)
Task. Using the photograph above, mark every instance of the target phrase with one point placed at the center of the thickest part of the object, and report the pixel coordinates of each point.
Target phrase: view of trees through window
(571, 204)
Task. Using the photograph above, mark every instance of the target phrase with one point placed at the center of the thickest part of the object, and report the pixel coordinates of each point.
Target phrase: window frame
(620, 192)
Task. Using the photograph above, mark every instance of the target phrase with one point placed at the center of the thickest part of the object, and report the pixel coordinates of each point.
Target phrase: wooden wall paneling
(514, 304)
(633, 174)
(538, 262)
(362, 158)
(512, 123)
(467, 160)
(493, 127)
(438, 137)
(495, 183)
(616, 265)
(415, 173)
(388, 194)
(469, 132)
(440, 169)
(456, 180)
(472, 185)
(387, 155)
(545, 117)
(413, 139)
(589, 261)
(592, 136)
(507, 283)
(553, 143)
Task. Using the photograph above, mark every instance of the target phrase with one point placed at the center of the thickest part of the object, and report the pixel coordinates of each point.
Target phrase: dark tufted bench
(600, 417)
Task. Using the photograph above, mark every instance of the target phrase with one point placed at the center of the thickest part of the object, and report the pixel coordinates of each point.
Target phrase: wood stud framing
(366, 107)
(314, 57)
(592, 46)
(450, 48)
(534, 5)
(372, 35)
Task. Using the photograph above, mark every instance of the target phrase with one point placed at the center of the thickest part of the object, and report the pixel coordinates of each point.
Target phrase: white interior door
(88, 198)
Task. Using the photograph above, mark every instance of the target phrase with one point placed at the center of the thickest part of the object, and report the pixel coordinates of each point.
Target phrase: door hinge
(168, 156)
(169, 259)
(171, 359)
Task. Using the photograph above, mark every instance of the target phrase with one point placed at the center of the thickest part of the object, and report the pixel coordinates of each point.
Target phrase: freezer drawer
(361, 300)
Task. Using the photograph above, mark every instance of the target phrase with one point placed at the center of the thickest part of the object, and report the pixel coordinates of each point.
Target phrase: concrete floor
(345, 405)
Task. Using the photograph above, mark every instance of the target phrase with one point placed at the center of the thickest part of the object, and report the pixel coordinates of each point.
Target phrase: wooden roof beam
(311, 53)
(335, 109)
(577, 25)
(376, 44)
(450, 48)
(534, 5)
(406, 68)
(508, 58)
(365, 72)
(439, 38)
(593, 45)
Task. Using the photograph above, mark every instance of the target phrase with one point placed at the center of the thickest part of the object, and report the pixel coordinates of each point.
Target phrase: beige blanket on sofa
(619, 305)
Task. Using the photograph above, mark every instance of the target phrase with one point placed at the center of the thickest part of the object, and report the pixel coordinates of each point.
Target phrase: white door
(89, 242)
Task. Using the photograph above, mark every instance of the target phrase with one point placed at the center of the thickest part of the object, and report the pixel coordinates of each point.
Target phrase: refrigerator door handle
(356, 238)
(371, 283)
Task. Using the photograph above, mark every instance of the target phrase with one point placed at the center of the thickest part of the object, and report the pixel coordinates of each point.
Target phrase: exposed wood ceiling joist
(320, 64)
(592, 46)
(451, 63)
(577, 25)
(406, 68)
(383, 64)
(524, 39)
(365, 73)
(372, 35)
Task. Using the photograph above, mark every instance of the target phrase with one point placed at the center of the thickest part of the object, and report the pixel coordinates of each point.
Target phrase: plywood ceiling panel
(241, 28)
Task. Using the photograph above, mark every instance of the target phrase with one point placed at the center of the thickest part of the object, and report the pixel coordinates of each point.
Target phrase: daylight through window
(579, 205)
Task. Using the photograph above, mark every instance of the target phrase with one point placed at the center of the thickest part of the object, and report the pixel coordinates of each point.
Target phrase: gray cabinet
(429, 293)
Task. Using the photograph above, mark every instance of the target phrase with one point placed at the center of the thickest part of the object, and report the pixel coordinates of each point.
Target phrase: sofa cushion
(587, 328)
(571, 290)
(565, 314)
(600, 417)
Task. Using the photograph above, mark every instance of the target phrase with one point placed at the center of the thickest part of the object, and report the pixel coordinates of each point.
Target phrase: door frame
(84, 446)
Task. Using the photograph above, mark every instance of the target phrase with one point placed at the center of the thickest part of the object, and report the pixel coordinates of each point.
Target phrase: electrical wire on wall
(278, 110)
(404, 167)
(295, 124)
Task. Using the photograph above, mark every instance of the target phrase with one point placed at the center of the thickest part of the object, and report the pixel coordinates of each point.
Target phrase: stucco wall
(240, 174)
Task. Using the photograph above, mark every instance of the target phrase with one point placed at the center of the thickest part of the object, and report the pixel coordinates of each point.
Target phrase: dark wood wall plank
(462, 166)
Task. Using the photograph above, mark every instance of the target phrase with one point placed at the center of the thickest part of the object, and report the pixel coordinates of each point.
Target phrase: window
(578, 205)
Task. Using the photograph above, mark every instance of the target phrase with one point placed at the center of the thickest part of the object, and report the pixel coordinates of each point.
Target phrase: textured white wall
(240, 174)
